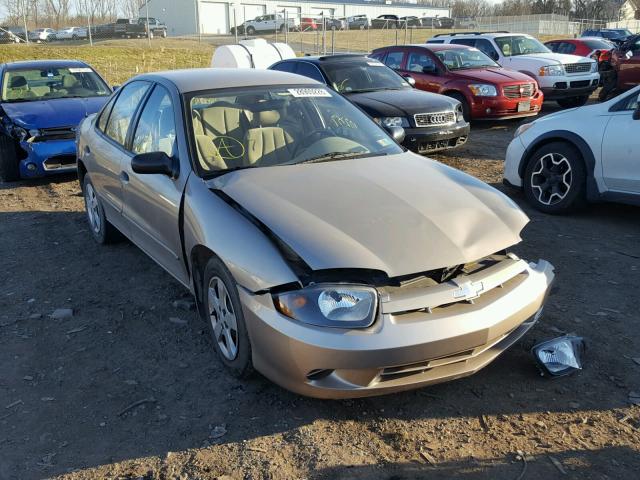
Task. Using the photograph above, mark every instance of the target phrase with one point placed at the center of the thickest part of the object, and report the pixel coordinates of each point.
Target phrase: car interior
(52, 83)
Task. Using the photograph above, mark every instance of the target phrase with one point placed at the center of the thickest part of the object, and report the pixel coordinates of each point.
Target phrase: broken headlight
(559, 356)
(341, 306)
(20, 133)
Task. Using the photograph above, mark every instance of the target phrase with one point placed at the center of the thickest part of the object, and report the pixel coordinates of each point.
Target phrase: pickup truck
(138, 28)
(385, 21)
(269, 23)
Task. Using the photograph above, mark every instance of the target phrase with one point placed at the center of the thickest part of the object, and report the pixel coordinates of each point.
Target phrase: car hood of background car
(492, 75)
(399, 214)
(400, 102)
(56, 112)
(556, 58)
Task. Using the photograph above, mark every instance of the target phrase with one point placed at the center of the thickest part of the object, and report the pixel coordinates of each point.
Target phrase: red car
(485, 89)
(626, 63)
(308, 23)
(593, 47)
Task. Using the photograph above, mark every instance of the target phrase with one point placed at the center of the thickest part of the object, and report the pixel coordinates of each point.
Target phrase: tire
(9, 168)
(103, 232)
(164, 34)
(219, 283)
(466, 111)
(151, 35)
(573, 102)
(251, 31)
(555, 179)
(74, 37)
(282, 28)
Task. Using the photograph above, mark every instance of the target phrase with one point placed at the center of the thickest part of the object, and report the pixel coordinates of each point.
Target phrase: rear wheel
(103, 232)
(555, 179)
(251, 31)
(9, 170)
(466, 111)
(164, 34)
(223, 313)
(573, 102)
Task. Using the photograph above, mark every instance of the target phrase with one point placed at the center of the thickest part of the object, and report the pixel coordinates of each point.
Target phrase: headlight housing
(339, 306)
(483, 90)
(459, 113)
(522, 128)
(20, 133)
(394, 122)
(551, 71)
(594, 66)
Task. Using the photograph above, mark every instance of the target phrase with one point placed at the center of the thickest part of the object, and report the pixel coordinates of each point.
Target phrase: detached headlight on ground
(342, 306)
(482, 90)
(551, 71)
(394, 121)
(559, 356)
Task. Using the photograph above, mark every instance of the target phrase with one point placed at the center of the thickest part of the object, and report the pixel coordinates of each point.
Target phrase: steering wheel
(312, 138)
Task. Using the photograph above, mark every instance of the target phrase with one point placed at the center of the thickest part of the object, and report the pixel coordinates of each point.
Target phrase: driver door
(422, 67)
(620, 147)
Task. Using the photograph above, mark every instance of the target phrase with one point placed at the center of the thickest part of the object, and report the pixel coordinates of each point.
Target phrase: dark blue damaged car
(41, 104)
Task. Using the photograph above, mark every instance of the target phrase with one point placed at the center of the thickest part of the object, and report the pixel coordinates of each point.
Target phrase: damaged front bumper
(41, 158)
(422, 336)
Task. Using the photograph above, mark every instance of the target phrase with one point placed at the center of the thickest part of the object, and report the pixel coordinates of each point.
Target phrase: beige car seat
(18, 88)
(268, 143)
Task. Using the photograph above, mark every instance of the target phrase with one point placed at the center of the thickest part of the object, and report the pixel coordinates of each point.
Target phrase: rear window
(597, 45)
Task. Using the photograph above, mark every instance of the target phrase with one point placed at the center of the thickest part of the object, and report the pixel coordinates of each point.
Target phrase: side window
(435, 41)
(123, 110)
(420, 62)
(309, 70)
(394, 60)
(469, 42)
(566, 47)
(284, 67)
(156, 129)
(486, 47)
(104, 114)
(633, 102)
(553, 46)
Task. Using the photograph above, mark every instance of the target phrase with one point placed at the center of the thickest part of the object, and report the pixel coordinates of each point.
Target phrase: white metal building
(184, 17)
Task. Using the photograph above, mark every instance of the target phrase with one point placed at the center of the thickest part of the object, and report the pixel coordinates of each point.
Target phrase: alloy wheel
(551, 179)
(93, 209)
(222, 318)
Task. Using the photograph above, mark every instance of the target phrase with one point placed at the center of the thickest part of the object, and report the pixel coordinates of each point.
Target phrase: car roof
(318, 59)
(435, 47)
(483, 35)
(196, 79)
(27, 64)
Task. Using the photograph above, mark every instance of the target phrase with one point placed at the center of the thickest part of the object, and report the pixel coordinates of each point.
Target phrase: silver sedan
(319, 251)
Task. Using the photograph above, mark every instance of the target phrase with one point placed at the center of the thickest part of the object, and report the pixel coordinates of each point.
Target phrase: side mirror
(397, 133)
(155, 163)
(410, 80)
(115, 88)
(430, 69)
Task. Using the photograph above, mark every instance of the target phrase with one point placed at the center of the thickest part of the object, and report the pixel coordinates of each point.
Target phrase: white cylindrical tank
(256, 53)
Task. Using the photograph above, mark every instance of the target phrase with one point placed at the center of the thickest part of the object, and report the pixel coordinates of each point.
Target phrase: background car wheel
(223, 313)
(466, 111)
(103, 232)
(251, 31)
(555, 178)
(164, 34)
(573, 101)
(9, 170)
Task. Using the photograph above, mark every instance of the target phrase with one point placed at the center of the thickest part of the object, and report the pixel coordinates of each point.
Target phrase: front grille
(60, 162)
(56, 133)
(577, 67)
(525, 90)
(430, 119)
(580, 84)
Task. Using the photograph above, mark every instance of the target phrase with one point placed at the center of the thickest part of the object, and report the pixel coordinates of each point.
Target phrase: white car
(269, 23)
(42, 35)
(72, 33)
(588, 154)
(568, 79)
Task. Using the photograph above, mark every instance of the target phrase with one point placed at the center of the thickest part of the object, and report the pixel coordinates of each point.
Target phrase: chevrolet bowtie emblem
(468, 290)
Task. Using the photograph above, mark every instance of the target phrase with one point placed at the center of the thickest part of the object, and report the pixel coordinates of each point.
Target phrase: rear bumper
(502, 108)
(399, 352)
(48, 158)
(573, 88)
(431, 139)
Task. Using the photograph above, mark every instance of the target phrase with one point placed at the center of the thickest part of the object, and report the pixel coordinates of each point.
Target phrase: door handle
(124, 176)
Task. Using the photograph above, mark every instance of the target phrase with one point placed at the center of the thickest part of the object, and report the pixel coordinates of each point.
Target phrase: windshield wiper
(219, 173)
(21, 100)
(330, 157)
(364, 90)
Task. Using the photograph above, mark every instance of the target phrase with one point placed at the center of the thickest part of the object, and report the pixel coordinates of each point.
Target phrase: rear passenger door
(152, 201)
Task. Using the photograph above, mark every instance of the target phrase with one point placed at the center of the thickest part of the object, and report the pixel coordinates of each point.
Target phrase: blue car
(41, 105)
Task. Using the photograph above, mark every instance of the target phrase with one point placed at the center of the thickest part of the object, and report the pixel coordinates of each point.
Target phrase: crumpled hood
(58, 112)
(399, 214)
(557, 58)
(401, 102)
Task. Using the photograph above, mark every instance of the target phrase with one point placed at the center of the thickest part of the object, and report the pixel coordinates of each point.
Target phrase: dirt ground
(128, 387)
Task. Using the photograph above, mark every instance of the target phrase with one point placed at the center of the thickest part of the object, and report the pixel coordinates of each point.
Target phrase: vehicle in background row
(269, 23)
(563, 160)
(155, 27)
(103, 31)
(625, 61)
(308, 24)
(596, 48)
(42, 103)
(616, 35)
(358, 21)
(430, 22)
(42, 35)
(333, 23)
(446, 22)
(567, 79)
(411, 21)
(466, 22)
(431, 122)
(319, 252)
(139, 28)
(11, 34)
(385, 21)
(72, 33)
(484, 88)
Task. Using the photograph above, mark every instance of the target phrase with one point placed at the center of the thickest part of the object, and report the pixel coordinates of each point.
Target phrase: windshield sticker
(308, 92)
(80, 70)
(384, 142)
(229, 148)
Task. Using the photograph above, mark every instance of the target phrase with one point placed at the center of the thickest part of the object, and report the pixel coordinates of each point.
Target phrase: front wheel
(555, 179)
(9, 170)
(223, 313)
(164, 34)
(573, 102)
(251, 31)
(103, 232)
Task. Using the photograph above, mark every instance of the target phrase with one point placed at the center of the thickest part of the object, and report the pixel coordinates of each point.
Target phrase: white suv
(568, 79)
(591, 153)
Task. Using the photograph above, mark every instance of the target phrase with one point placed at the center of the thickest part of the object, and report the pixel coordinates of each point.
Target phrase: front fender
(253, 260)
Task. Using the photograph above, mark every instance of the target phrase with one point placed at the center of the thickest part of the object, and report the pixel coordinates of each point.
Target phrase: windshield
(520, 45)
(45, 84)
(466, 58)
(363, 76)
(597, 44)
(270, 126)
